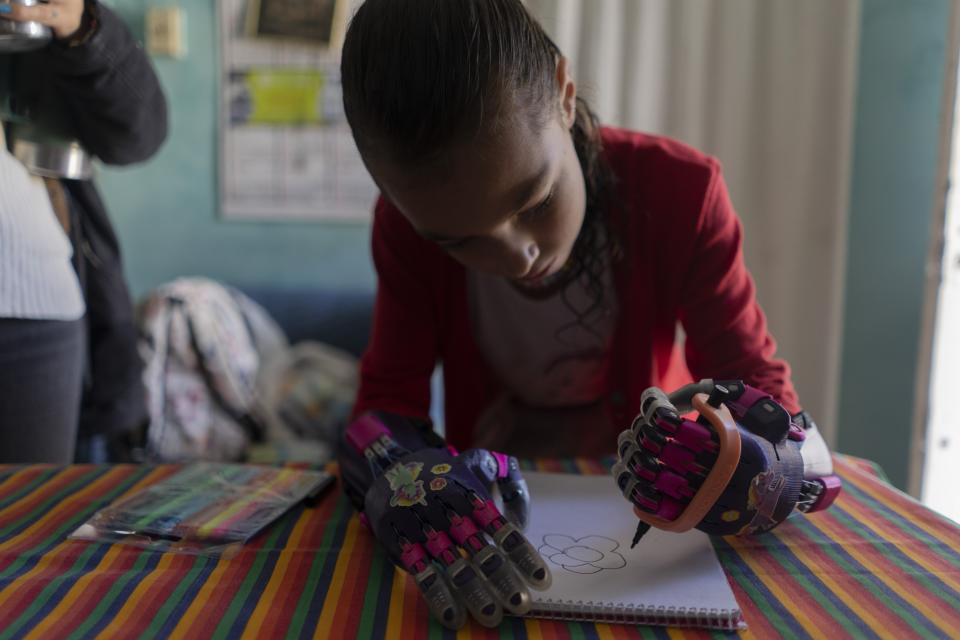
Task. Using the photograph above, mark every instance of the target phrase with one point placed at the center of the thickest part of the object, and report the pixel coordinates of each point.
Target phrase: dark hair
(421, 75)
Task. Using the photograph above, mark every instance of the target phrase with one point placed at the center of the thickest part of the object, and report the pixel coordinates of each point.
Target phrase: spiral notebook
(583, 528)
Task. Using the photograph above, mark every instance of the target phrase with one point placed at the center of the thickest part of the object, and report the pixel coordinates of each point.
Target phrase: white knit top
(37, 280)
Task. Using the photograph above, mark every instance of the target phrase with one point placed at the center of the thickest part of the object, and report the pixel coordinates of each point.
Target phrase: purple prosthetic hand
(737, 469)
(432, 510)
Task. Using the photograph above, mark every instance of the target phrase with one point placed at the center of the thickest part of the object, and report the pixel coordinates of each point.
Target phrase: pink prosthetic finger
(496, 569)
(645, 496)
(432, 584)
(467, 583)
(518, 549)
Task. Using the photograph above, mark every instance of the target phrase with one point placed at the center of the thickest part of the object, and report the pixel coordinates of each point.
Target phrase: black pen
(642, 528)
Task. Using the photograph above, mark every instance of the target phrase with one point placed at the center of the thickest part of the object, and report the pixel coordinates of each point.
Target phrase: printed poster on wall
(286, 152)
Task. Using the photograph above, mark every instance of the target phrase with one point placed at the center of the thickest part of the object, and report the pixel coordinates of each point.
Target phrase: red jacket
(683, 262)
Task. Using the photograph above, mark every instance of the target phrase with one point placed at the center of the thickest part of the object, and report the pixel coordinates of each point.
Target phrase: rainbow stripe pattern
(877, 564)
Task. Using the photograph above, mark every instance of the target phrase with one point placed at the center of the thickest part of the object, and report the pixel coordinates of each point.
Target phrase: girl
(545, 260)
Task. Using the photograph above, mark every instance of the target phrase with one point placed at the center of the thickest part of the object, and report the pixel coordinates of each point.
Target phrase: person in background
(545, 259)
(68, 357)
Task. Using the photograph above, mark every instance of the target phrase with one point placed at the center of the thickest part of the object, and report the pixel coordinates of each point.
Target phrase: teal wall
(166, 210)
(896, 144)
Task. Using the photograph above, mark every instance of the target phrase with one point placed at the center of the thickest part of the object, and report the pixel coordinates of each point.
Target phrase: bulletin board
(285, 150)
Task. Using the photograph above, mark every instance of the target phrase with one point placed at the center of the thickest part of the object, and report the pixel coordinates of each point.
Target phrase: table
(878, 564)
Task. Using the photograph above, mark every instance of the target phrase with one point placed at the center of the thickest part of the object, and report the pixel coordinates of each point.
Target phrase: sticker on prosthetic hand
(407, 490)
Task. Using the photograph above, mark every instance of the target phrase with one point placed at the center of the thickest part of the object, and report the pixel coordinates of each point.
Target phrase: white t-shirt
(550, 352)
(37, 280)
(543, 353)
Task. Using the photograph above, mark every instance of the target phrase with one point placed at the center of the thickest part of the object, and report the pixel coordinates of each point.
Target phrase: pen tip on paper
(642, 528)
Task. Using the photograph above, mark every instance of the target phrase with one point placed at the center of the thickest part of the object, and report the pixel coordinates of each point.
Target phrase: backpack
(203, 345)
(309, 394)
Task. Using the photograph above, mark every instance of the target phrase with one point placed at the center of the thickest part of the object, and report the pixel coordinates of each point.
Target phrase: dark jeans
(41, 375)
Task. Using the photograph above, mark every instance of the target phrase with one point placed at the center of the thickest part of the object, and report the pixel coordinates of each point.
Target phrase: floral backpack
(203, 346)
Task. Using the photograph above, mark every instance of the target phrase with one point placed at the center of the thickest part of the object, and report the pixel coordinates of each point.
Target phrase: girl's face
(511, 204)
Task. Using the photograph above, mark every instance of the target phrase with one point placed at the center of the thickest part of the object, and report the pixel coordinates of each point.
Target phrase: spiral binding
(589, 611)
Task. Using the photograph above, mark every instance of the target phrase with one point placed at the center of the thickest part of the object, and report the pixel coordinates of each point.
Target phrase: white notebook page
(583, 528)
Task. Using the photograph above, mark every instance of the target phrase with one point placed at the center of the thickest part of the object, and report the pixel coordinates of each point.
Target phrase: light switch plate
(165, 32)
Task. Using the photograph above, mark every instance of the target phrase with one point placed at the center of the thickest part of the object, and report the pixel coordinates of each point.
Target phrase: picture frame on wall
(320, 23)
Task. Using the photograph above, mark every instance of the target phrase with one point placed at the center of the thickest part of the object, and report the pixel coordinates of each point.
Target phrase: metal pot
(53, 158)
(23, 36)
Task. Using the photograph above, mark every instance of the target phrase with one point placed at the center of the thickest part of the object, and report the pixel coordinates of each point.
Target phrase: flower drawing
(589, 554)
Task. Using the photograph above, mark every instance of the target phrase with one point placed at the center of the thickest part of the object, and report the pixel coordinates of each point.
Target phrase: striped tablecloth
(876, 565)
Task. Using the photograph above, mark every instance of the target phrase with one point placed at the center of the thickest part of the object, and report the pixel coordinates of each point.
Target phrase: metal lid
(16, 36)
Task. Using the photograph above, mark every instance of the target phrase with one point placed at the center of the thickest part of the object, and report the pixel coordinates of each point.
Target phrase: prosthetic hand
(425, 504)
(742, 467)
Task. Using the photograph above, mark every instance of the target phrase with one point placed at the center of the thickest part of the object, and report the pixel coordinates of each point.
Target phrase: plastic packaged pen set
(205, 508)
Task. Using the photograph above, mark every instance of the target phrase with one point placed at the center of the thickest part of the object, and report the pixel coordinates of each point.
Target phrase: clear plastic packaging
(205, 508)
